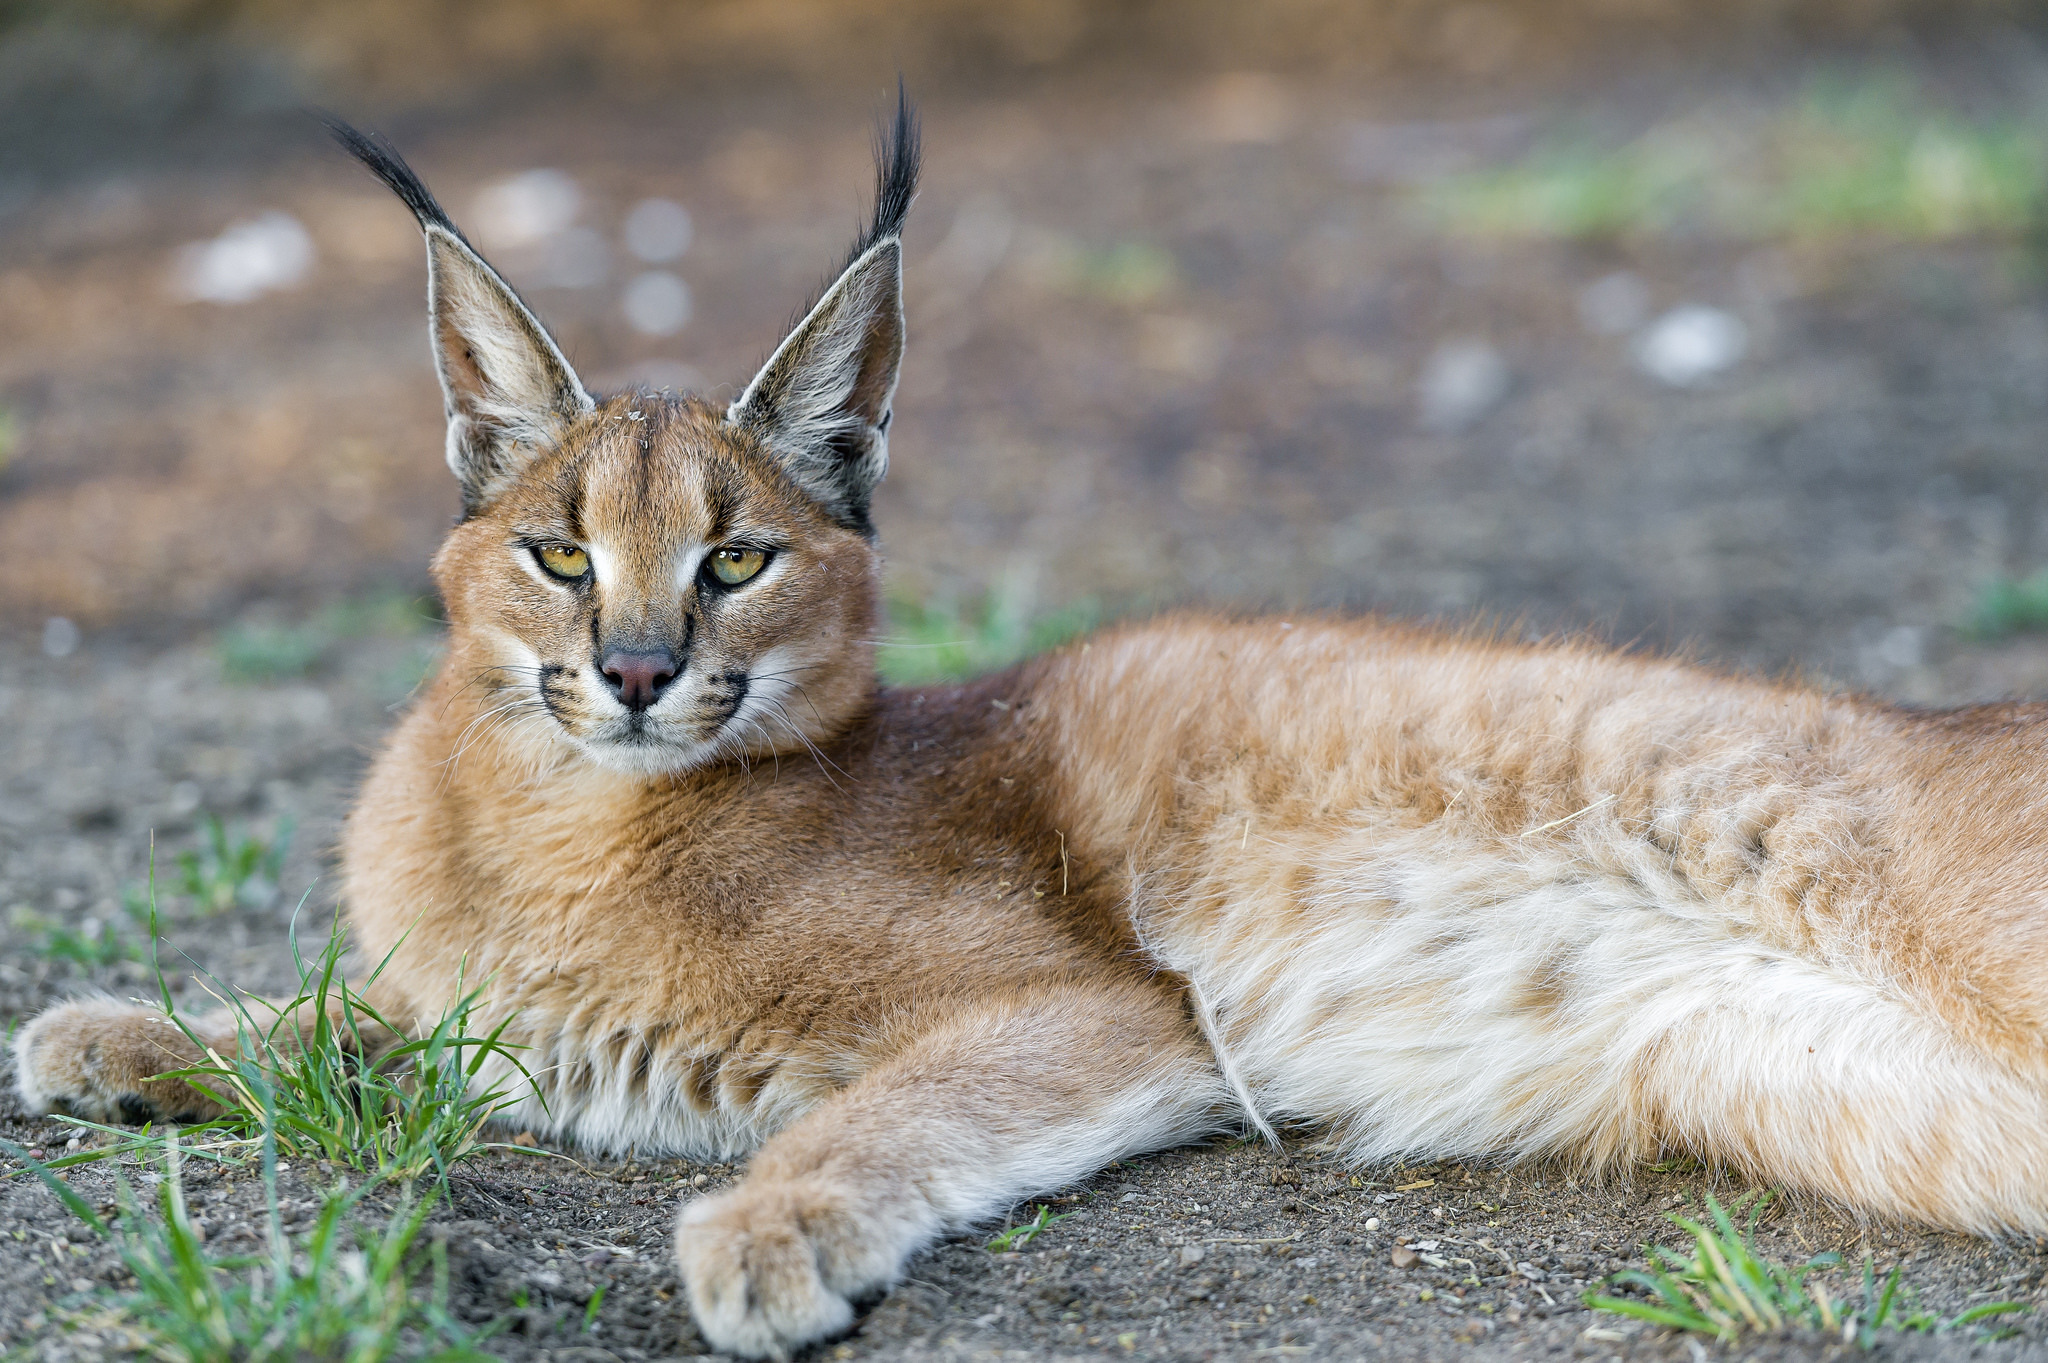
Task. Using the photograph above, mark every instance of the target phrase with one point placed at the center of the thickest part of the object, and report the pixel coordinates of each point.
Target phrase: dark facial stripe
(573, 507)
(722, 490)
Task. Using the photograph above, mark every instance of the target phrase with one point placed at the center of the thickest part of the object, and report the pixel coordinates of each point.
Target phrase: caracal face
(656, 595)
(645, 580)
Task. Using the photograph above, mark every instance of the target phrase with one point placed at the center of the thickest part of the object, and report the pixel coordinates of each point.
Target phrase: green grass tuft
(269, 653)
(1725, 1289)
(92, 945)
(1128, 272)
(339, 1292)
(1016, 1237)
(421, 1106)
(1867, 154)
(2011, 606)
(949, 639)
(350, 1087)
(1131, 273)
(232, 867)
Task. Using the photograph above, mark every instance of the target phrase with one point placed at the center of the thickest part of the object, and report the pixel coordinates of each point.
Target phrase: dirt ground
(1171, 340)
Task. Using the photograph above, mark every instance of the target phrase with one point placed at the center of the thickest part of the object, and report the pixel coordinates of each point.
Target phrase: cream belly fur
(924, 953)
(1650, 937)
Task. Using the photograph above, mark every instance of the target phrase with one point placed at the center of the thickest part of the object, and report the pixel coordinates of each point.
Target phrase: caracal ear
(508, 390)
(822, 401)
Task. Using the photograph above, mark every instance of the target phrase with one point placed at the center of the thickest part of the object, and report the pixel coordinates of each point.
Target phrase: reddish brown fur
(933, 950)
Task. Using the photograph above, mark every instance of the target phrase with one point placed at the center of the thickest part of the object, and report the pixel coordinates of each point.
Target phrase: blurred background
(1719, 327)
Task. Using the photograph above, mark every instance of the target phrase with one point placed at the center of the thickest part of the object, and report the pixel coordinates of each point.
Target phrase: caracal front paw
(97, 1059)
(772, 1266)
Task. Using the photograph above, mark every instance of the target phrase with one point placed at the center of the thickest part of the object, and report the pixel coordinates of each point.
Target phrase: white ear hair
(823, 401)
(508, 390)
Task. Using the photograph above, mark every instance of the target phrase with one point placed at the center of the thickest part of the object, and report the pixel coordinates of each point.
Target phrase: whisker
(485, 715)
(816, 751)
(807, 700)
(486, 677)
(781, 715)
(486, 723)
(498, 721)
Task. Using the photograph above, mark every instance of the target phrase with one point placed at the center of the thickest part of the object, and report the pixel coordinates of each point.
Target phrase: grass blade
(73, 1203)
(1986, 1311)
(1724, 1288)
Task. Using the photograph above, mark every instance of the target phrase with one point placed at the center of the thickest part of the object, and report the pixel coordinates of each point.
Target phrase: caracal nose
(638, 679)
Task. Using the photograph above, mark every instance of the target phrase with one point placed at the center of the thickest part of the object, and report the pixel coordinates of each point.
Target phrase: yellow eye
(564, 560)
(733, 565)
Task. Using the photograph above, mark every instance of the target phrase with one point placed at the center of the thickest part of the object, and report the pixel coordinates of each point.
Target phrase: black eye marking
(551, 675)
(725, 693)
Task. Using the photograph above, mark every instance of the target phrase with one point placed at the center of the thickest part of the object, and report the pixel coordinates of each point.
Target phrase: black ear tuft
(897, 153)
(376, 152)
(822, 402)
(508, 390)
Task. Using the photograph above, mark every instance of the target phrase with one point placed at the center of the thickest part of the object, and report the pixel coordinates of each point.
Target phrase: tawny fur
(924, 952)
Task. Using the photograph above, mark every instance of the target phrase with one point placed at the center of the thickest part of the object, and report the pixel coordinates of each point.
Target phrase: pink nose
(638, 679)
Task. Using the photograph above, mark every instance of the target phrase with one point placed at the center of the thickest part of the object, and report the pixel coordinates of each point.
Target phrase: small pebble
(249, 259)
(1403, 1257)
(700, 1180)
(60, 637)
(1190, 1255)
(1691, 344)
(656, 303)
(658, 230)
(1372, 1223)
(73, 1143)
(1462, 382)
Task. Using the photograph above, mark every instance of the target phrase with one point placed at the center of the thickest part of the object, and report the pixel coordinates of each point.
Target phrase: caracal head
(651, 582)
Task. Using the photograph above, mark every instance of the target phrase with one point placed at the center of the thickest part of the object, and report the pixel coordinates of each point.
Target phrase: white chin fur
(650, 754)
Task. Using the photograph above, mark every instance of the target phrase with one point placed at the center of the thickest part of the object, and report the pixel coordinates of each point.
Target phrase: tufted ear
(508, 391)
(822, 402)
